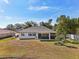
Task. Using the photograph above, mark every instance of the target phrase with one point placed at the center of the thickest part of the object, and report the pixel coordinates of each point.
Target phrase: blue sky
(19, 11)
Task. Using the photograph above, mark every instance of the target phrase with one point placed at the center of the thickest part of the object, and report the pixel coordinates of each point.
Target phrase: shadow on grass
(18, 58)
(48, 40)
(68, 46)
(9, 58)
(27, 39)
(6, 37)
(74, 47)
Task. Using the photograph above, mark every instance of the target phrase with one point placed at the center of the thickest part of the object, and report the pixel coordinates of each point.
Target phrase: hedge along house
(39, 32)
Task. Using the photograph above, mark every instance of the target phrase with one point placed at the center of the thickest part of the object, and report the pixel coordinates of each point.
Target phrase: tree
(62, 28)
(19, 26)
(30, 24)
(54, 27)
(10, 27)
(72, 26)
(66, 25)
(47, 24)
(77, 30)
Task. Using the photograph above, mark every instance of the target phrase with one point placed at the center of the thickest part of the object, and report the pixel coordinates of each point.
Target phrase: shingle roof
(38, 29)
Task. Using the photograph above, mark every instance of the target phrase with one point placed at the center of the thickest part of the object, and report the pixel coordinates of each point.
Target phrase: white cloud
(38, 8)
(6, 1)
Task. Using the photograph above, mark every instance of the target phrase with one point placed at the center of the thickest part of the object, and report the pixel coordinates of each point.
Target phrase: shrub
(59, 43)
(75, 42)
(67, 41)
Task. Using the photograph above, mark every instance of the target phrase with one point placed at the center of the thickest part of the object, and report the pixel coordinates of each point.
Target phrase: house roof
(5, 31)
(38, 29)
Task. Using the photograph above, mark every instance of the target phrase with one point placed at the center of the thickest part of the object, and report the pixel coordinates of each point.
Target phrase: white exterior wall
(36, 35)
(71, 36)
(26, 36)
(49, 36)
(77, 37)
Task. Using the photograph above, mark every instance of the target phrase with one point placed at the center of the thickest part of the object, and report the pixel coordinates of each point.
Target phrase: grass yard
(34, 49)
(7, 39)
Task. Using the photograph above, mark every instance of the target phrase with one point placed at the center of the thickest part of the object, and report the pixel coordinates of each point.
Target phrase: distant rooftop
(5, 31)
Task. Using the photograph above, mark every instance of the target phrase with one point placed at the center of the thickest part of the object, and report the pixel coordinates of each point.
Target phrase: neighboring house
(39, 32)
(72, 36)
(6, 33)
(77, 37)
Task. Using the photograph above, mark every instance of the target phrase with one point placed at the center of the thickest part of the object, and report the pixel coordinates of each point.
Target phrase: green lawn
(34, 49)
(7, 39)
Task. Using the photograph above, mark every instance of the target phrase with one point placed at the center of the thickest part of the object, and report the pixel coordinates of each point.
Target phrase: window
(22, 34)
(44, 35)
(31, 34)
(34, 34)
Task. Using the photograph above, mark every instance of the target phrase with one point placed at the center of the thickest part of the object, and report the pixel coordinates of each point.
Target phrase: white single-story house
(39, 32)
